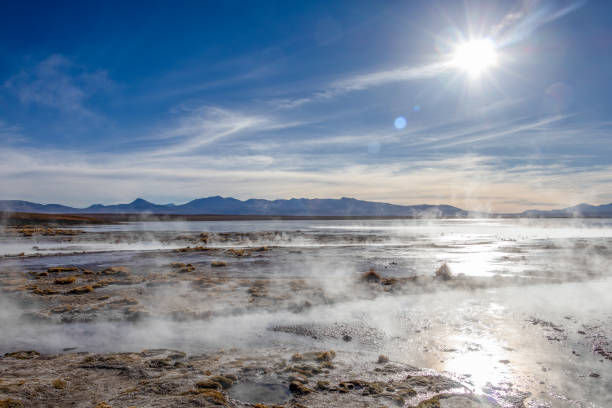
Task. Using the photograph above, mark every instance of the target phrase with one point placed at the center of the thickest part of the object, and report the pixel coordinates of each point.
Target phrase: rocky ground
(168, 378)
(70, 293)
(211, 277)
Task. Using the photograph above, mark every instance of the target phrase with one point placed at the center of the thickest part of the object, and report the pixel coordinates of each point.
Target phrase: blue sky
(105, 102)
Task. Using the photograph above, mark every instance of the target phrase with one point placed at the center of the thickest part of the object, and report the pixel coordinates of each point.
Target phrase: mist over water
(521, 293)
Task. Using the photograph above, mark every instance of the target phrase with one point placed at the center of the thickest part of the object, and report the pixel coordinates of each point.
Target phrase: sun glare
(475, 56)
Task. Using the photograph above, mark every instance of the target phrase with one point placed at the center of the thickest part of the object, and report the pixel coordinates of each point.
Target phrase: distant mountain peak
(140, 201)
(580, 210)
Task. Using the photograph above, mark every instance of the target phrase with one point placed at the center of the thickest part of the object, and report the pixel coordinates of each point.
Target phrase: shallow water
(259, 392)
(494, 227)
(537, 334)
(471, 247)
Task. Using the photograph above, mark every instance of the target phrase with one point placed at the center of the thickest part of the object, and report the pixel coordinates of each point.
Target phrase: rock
(223, 380)
(11, 403)
(326, 355)
(299, 389)
(298, 378)
(323, 385)
(209, 385)
(116, 270)
(59, 269)
(160, 363)
(80, 290)
(43, 292)
(23, 355)
(65, 281)
(214, 396)
(444, 273)
(371, 276)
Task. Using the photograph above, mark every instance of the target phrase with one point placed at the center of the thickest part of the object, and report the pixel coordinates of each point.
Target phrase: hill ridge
(344, 206)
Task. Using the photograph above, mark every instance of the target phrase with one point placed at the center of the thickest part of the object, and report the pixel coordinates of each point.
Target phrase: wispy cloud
(529, 16)
(11, 133)
(359, 82)
(417, 140)
(59, 83)
(490, 134)
(364, 81)
(203, 126)
(468, 181)
(512, 28)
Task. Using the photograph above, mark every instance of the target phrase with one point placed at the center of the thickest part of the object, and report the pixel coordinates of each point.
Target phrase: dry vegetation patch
(60, 269)
(65, 280)
(11, 403)
(59, 384)
(80, 290)
(23, 355)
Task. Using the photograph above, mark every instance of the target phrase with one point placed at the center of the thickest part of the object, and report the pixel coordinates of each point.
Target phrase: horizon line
(294, 198)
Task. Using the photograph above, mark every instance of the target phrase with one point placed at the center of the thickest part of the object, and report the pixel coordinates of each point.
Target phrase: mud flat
(282, 313)
(156, 378)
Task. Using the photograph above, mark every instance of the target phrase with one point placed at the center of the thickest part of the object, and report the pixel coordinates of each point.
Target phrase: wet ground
(453, 313)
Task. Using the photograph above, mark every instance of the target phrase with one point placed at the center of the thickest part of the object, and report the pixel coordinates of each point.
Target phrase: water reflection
(485, 362)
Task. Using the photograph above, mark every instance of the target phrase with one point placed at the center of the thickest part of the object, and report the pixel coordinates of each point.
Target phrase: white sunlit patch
(475, 56)
(400, 122)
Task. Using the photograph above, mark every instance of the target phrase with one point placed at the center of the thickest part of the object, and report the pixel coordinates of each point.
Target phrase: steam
(562, 270)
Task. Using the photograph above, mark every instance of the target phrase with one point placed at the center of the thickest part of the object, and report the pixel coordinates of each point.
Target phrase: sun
(475, 56)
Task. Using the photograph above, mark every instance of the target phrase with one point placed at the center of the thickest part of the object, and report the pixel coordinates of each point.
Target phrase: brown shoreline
(22, 218)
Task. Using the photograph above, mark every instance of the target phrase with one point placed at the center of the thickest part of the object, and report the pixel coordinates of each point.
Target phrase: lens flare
(400, 122)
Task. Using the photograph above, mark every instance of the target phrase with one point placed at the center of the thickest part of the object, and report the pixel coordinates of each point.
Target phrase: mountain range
(580, 210)
(292, 207)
